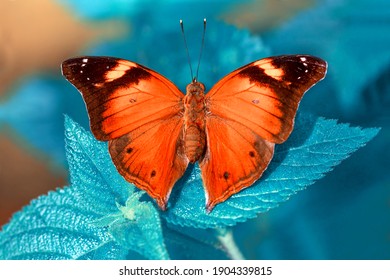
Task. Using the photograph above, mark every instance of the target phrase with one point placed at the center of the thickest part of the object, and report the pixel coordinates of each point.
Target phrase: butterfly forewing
(255, 106)
(265, 94)
(121, 95)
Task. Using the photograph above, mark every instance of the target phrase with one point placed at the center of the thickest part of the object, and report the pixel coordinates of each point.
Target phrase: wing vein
(138, 120)
(127, 94)
(246, 119)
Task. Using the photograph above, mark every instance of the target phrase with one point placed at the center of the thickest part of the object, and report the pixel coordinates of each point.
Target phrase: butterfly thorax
(194, 121)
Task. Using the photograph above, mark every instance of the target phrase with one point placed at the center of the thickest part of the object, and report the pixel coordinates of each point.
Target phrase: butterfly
(154, 131)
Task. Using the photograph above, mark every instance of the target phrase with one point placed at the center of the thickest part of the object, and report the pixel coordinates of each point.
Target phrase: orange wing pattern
(140, 113)
(121, 95)
(235, 158)
(248, 111)
(152, 157)
(265, 94)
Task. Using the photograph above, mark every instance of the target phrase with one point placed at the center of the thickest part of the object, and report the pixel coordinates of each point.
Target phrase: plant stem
(225, 236)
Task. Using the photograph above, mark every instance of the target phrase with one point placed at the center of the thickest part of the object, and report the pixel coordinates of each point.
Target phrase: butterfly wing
(140, 113)
(121, 95)
(248, 111)
(235, 158)
(152, 157)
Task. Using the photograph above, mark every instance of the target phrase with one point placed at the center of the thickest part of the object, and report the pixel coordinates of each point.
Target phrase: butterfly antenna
(185, 43)
(201, 47)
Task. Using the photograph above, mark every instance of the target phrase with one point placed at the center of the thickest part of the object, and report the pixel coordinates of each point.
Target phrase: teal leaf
(57, 226)
(98, 217)
(101, 216)
(92, 172)
(314, 148)
(137, 227)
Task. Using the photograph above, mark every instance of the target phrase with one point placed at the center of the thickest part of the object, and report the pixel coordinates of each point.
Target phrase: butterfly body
(154, 131)
(194, 121)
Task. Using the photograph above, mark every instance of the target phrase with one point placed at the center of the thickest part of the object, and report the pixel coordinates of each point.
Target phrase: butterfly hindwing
(234, 159)
(248, 111)
(152, 157)
(140, 113)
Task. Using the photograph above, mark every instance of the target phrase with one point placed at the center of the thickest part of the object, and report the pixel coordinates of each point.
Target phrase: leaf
(314, 148)
(87, 219)
(92, 172)
(101, 216)
(137, 227)
(56, 226)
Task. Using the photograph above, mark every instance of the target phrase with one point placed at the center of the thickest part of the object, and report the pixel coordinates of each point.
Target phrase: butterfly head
(195, 87)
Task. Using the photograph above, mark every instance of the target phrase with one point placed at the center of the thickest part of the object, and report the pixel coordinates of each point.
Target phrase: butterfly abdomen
(194, 122)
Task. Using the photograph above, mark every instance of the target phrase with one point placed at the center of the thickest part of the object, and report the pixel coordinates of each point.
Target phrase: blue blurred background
(346, 215)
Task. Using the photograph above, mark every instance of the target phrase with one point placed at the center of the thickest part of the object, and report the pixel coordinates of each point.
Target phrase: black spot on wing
(119, 146)
(132, 76)
(226, 175)
(256, 74)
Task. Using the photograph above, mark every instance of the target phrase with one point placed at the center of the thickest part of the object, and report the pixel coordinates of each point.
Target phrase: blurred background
(346, 215)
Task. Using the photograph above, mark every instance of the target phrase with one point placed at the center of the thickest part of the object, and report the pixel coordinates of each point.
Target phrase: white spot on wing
(118, 71)
(85, 60)
(303, 58)
(98, 85)
(270, 69)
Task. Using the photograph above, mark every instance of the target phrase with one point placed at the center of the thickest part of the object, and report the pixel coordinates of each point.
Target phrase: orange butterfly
(154, 130)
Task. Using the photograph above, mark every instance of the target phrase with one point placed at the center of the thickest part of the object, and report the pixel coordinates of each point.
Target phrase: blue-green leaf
(98, 217)
(137, 227)
(101, 216)
(314, 148)
(57, 226)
